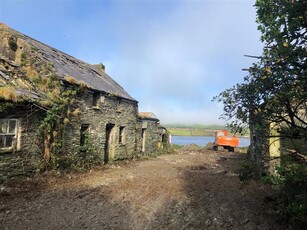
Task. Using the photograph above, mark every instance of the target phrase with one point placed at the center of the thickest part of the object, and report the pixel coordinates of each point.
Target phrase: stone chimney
(100, 67)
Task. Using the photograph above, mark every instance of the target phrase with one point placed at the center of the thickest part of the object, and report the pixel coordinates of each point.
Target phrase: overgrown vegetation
(292, 177)
(8, 93)
(88, 156)
(275, 92)
(58, 102)
(249, 171)
(51, 131)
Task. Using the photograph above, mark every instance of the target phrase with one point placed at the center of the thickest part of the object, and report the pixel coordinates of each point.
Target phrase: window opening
(8, 133)
(122, 135)
(143, 139)
(84, 132)
(96, 97)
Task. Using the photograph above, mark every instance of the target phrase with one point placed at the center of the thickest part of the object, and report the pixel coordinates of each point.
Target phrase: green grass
(195, 126)
(190, 132)
(197, 130)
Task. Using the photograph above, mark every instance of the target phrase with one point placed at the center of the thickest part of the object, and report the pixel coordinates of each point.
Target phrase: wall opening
(96, 97)
(143, 140)
(109, 143)
(84, 134)
(164, 140)
(122, 135)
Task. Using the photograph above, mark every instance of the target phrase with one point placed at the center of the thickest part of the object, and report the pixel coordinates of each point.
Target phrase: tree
(275, 89)
(275, 92)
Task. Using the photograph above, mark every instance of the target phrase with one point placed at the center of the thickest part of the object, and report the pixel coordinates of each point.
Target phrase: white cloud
(172, 56)
(176, 64)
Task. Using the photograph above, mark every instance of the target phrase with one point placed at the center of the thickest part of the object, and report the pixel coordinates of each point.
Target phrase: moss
(7, 106)
(51, 64)
(30, 72)
(73, 81)
(8, 94)
(34, 49)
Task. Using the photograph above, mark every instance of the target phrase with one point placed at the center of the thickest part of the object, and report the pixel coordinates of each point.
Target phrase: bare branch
(299, 155)
(252, 56)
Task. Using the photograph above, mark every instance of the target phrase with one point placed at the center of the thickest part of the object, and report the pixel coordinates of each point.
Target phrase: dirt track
(188, 190)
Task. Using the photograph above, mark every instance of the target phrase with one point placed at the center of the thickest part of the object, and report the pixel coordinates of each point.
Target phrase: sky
(173, 56)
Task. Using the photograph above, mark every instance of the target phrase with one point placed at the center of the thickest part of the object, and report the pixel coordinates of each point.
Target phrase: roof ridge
(66, 64)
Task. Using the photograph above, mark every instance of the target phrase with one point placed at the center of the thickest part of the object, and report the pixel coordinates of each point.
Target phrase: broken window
(122, 135)
(84, 134)
(8, 133)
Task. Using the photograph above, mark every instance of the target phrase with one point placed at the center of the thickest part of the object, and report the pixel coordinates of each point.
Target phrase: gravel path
(193, 189)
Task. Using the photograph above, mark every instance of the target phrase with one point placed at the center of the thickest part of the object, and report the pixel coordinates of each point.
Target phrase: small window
(84, 132)
(8, 134)
(122, 135)
(96, 97)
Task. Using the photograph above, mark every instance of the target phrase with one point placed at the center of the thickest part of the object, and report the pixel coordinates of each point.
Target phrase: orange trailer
(223, 141)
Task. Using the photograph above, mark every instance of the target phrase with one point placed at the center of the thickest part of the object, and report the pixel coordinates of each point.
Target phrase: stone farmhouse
(58, 111)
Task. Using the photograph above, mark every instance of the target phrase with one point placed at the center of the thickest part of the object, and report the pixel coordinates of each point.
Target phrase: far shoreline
(201, 132)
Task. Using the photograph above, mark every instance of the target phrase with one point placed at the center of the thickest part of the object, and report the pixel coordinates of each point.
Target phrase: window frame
(15, 142)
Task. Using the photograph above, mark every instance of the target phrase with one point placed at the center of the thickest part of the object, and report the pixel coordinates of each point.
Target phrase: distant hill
(195, 126)
(194, 130)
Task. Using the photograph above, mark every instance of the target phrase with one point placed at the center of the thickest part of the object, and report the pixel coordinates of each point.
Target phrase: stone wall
(110, 111)
(26, 156)
(114, 132)
(152, 137)
(259, 145)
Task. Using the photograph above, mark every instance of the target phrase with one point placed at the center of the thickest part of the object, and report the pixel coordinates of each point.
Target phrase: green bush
(292, 177)
(249, 171)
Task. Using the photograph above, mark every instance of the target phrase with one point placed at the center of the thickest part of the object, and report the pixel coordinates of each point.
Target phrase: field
(196, 130)
(190, 132)
(193, 130)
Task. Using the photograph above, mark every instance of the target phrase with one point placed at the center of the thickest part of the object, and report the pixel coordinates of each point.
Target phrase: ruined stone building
(270, 142)
(150, 124)
(57, 110)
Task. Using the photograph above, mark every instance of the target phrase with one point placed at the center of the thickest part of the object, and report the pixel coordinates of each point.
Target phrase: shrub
(249, 171)
(8, 94)
(13, 43)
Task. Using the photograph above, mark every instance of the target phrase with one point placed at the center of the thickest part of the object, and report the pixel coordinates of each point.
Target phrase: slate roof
(16, 78)
(148, 115)
(66, 65)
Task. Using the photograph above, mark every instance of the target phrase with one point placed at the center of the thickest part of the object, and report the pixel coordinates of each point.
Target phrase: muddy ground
(193, 189)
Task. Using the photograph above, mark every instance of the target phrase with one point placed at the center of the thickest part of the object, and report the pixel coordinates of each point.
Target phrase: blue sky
(173, 56)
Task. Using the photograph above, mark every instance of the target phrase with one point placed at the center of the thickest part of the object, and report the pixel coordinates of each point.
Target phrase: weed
(8, 94)
(249, 171)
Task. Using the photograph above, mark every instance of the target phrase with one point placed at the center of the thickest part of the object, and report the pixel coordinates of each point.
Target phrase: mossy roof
(66, 65)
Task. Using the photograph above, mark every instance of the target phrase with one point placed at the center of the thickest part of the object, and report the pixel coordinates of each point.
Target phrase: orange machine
(223, 141)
